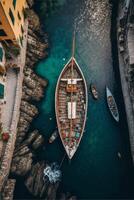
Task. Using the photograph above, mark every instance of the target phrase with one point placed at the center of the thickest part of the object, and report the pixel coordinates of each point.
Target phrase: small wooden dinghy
(53, 137)
(71, 105)
(119, 155)
(94, 91)
(112, 105)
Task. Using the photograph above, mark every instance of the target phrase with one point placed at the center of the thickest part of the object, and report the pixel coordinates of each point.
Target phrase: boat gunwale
(86, 103)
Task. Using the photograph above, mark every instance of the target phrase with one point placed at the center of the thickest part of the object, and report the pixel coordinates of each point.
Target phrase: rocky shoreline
(33, 85)
(28, 143)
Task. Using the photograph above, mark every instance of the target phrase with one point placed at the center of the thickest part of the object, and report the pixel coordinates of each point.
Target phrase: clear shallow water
(96, 171)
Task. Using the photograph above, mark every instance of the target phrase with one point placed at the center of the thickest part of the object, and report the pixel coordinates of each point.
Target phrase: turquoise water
(96, 171)
(1, 91)
(1, 54)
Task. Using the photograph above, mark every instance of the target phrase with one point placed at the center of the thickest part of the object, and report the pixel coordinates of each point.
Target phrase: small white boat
(94, 91)
(119, 155)
(112, 105)
(53, 137)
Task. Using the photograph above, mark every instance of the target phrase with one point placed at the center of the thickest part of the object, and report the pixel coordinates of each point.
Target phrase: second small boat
(53, 137)
(94, 91)
(112, 105)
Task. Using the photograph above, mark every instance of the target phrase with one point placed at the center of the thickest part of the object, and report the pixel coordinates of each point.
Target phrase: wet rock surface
(24, 153)
(8, 189)
(39, 186)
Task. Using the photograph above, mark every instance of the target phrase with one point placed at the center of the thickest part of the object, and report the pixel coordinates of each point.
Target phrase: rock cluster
(37, 185)
(7, 194)
(23, 154)
(27, 113)
(33, 85)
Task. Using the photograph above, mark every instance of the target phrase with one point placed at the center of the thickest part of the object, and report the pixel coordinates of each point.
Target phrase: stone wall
(125, 68)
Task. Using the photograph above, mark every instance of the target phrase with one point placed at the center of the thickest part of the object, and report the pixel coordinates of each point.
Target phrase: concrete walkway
(8, 107)
(10, 93)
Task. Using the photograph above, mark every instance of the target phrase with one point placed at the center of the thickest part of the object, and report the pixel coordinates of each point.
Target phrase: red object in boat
(5, 136)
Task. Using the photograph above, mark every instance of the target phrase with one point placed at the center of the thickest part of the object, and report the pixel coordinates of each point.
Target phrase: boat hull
(114, 112)
(94, 92)
(71, 101)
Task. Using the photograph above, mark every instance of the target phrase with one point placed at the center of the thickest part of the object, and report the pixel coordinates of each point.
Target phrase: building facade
(12, 17)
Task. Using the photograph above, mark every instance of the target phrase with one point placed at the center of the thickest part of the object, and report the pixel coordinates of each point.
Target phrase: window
(9, 41)
(22, 30)
(19, 16)
(11, 16)
(2, 33)
(14, 3)
(1, 54)
(1, 91)
(21, 40)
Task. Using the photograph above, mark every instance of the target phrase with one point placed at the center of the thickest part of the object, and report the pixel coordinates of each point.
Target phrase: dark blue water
(96, 171)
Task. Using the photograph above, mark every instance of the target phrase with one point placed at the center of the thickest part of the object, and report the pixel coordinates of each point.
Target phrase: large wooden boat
(112, 105)
(71, 105)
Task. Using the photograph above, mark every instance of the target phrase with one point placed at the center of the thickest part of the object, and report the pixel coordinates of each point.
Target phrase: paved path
(7, 108)
(10, 90)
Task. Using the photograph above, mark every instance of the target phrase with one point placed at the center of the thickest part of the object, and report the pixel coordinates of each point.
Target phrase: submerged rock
(39, 186)
(8, 190)
(52, 190)
(34, 182)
